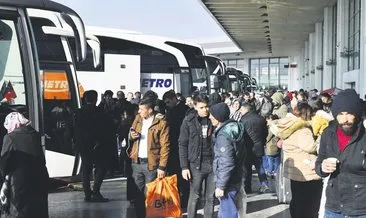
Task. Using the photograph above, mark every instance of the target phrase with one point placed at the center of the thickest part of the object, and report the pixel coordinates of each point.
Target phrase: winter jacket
(229, 155)
(281, 111)
(255, 134)
(23, 159)
(271, 148)
(214, 98)
(190, 141)
(158, 144)
(299, 149)
(267, 107)
(346, 190)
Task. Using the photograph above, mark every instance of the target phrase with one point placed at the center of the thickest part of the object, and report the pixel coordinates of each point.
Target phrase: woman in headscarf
(23, 163)
(235, 110)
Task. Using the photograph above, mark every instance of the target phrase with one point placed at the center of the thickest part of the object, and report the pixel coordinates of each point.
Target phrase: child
(271, 150)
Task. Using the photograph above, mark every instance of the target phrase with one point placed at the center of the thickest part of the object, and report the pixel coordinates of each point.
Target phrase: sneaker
(97, 197)
(263, 189)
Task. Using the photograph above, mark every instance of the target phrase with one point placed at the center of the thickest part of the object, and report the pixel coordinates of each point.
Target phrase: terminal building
(288, 44)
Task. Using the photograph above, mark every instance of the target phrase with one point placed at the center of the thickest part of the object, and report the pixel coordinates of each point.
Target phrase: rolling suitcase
(283, 186)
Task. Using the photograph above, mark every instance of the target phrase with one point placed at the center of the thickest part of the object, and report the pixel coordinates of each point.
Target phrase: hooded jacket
(229, 155)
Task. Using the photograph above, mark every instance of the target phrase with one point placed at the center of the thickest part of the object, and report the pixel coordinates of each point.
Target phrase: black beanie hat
(220, 111)
(347, 101)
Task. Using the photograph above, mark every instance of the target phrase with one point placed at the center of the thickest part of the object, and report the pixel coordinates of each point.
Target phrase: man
(342, 156)
(196, 156)
(215, 97)
(129, 97)
(255, 139)
(108, 105)
(229, 157)
(150, 149)
(137, 98)
(175, 113)
(90, 140)
(189, 102)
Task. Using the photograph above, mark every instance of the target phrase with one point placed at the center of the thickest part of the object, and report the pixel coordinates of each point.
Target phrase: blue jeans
(228, 208)
(330, 214)
(273, 163)
(265, 163)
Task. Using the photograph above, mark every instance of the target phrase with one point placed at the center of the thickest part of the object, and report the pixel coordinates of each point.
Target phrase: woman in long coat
(23, 161)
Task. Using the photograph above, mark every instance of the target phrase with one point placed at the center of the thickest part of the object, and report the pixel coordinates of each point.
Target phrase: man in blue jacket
(228, 161)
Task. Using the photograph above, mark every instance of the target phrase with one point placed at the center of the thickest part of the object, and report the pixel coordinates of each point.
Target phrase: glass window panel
(232, 63)
(254, 61)
(274, 60)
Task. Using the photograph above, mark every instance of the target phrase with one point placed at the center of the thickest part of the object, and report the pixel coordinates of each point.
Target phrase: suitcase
(283, 186)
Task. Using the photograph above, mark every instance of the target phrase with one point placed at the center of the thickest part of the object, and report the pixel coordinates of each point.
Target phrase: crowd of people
(212, 143)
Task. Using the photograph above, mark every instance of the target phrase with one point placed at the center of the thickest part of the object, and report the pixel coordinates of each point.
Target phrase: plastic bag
(162, 198)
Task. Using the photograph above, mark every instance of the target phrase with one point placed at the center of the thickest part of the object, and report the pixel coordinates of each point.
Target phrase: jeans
(87, 168)
(265, 163)
(141, 175)
(273, 163)
(330, 214)
(258, 162)
(305, 202)
(198, 176)
(228, 208)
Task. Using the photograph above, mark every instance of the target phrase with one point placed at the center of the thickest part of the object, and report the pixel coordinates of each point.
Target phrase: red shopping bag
(162, 198)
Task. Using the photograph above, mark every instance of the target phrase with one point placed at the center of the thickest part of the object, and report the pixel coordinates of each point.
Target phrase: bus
(39, 70)
(132, 61)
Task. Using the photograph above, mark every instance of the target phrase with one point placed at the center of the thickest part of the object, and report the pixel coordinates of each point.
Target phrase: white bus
(41, 72)
(135, 62)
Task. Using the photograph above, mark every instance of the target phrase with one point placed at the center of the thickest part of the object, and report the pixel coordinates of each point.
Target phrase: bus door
(60, 96)
(183, 81)
(216, 74)
(18, 90)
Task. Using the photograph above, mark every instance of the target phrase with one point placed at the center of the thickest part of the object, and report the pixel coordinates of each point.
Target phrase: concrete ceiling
(277, 27)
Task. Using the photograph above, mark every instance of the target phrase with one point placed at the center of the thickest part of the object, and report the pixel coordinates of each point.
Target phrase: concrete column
(306, 66)
(361, 83)
(318, 56)
(342, 41)
(311, 71)
(327, 48)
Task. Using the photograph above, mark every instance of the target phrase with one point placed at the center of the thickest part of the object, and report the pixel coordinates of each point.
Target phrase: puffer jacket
(229, 155)
(298, 148)
(346, 190)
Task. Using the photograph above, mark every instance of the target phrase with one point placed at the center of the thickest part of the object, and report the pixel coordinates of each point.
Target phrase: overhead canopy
(265, 26)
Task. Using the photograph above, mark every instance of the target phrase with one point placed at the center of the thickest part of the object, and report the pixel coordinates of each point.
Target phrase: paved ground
(70, 204)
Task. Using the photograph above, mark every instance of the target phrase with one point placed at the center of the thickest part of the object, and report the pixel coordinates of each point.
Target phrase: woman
(235, 110)
(23, 161)
(299, 152)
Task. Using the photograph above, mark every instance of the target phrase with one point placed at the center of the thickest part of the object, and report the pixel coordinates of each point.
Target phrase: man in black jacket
(175, 113)
(255, 139)
(196, 155)
(342, 155)
(90, 135)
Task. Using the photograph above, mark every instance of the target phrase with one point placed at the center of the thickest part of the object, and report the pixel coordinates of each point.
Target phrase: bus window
(59, 99)
(153, 60)
(12, 83)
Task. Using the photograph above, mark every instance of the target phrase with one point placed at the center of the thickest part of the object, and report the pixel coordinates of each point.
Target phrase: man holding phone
(342, 155)
(150, 149)
(196, 155)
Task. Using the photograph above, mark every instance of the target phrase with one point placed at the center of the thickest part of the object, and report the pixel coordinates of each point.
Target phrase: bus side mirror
(78, 28)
